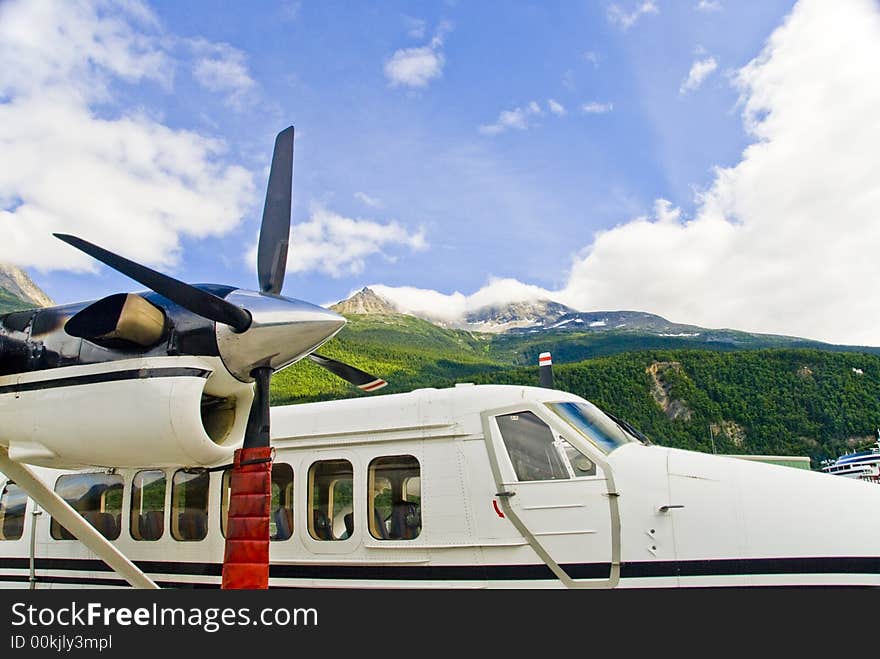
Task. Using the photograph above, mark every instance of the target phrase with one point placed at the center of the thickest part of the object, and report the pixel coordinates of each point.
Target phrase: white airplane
(120, 419)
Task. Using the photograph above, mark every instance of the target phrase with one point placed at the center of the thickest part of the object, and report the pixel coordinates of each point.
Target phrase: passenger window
(189, 505)
(395, 498)
(331, 515)
(97, 497)
(281, 511)
(530, 445)
(13, 502)
(148, 505)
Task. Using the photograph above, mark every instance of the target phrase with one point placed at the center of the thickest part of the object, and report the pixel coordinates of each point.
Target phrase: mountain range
(541, 319)
(522, 327)
(683, 385)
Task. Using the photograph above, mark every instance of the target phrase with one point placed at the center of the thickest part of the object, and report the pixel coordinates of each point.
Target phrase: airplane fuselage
(471, 487)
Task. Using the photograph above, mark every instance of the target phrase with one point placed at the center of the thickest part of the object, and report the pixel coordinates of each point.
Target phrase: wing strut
(73, 521)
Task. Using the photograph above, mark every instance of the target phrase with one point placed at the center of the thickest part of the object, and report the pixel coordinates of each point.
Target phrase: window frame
(495, 441)
(331, 486)
(131, 511)
(57, 529)
(552, 445)
(3, 493)
(174, 513)
(402, 487)
(605, 438)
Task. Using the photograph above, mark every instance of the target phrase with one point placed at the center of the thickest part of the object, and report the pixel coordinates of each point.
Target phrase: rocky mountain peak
(365, 301)
(530, 313)
(17, 282)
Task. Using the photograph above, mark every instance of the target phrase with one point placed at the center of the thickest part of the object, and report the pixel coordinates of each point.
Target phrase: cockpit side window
(531, 446)
(580, 464)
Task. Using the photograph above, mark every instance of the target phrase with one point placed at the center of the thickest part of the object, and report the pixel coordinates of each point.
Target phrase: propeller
(272, 249)
(361, 379)
(253, 343)
(189, 297)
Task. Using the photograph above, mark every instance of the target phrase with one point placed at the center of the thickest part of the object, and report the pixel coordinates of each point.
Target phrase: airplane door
(558, 493)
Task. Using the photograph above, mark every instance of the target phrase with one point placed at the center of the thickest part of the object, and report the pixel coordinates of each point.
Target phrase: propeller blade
(189, 297)
(275, 229)
(361, 379)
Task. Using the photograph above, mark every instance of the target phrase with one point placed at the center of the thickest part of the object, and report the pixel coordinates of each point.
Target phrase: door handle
(670, 506)
(505, 494)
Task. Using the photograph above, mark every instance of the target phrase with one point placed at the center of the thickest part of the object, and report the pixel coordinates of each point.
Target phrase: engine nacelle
(147, 412)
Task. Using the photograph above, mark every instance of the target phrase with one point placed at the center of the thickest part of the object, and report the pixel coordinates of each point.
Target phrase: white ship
(864, 465)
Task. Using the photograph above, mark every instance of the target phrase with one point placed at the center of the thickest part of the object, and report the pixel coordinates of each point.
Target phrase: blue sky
(440, 146)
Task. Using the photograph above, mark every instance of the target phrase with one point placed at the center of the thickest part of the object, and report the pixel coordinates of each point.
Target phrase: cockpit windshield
(593, 424)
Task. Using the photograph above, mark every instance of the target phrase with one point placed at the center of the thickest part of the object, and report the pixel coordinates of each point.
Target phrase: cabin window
(331, 515)
(395, 497)
(189, 505)
(148, 505)
(531, 447)
(281, 511)
(97, 497)
(13, 502)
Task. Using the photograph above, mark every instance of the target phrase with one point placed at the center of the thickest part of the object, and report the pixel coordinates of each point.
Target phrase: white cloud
(523, 118)
(592, 57)
(416, 67)
(338, 245)
(69, 164)
(708, 5)
(364, 198)
(556, 108)
(453, 307)
(415, 27)
(77, 49)
(594, 107)
(517, 119)
(290, 9)
(223, 69)
(786, 241)
(625, 19)
(700, 70)
(665, 212)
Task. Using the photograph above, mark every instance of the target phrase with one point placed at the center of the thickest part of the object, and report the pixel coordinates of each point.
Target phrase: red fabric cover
(246, 559)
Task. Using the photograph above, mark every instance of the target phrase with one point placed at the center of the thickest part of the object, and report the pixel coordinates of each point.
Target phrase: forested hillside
(769, 401)
(9, 302)
(406, 351)
(775, 402)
